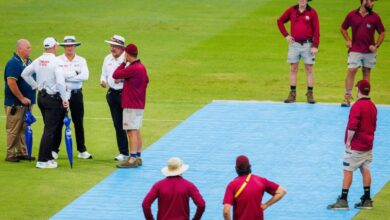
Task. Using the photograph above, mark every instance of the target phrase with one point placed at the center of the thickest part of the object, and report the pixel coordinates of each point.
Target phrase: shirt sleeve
(229, 195)
(347, 22)
(354, 118)
(27, 75)
(199, 202)
(84, 73)
(316, 29)
(270, 187)
(123, 72)
(103, 77)
(282, 20)
(60, 80)
(11, 71)
(379, 26)
(148, 201)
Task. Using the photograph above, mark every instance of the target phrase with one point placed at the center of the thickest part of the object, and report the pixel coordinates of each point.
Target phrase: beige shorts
(356, 159)
(297, 51)
(132, 119)
(356, 60)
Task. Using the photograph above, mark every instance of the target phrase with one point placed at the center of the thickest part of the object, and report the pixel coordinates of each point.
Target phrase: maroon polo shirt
(304, 26)
(363, 30)
(134, 86)
(247, 206)
(362, 120)
(173, 194)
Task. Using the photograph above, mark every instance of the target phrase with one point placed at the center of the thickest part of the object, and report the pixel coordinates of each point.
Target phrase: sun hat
(175, 167)
(70, 40)
(116, 40)
(49, 42)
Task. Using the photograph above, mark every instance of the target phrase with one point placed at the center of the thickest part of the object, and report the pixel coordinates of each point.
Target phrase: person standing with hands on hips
(114, 93)
(133, 102)
(303, 40)
(362, 48)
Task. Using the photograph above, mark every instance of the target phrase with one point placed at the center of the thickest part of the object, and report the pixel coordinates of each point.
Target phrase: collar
(136, 61)
(358, 12)
(365, 98)
(49, 54)
(308, 8)
(17, 57)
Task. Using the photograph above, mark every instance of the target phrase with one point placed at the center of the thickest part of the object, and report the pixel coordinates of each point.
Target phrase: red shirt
(134, 86)
(362, 120)
(363, 30)
(247, 206)
(173, 195)
(304, 26)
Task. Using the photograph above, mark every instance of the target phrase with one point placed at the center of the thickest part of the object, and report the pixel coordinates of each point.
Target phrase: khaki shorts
(356, 60)
(296, 51)
(356, 159)
(132, 119)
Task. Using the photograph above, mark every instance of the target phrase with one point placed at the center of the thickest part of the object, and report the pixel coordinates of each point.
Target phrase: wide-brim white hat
(69, 41)
(175, 167)
(116, 40)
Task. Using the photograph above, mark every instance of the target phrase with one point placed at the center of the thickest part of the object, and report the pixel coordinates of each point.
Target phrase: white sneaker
(121, 157)
(85, 155)
(45, 165)
(54, 155)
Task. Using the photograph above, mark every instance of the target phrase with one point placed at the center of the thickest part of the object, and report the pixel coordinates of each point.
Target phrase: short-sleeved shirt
(247, 206)
(363, 30)
(14, 69)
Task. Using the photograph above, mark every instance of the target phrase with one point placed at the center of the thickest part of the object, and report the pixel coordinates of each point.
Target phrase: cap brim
(114, 43)
(178, 172)
(70, 43)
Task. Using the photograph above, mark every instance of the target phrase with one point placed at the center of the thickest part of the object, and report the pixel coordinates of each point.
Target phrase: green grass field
(195, 52)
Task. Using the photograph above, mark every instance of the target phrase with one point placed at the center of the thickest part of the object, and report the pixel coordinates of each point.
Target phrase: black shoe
(25, 157)
(12, 159)
(340, 204)
(364, 203)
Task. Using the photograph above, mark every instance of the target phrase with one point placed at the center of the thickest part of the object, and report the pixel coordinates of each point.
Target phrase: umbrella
(29, 119)
(68, 139)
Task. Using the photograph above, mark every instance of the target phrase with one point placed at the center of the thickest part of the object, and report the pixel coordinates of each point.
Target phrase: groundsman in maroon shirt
(362, 47)
(359, 139)
(173, 194)
(303, 39)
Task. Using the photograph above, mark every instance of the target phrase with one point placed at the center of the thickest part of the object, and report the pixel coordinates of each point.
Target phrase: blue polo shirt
(14, 69)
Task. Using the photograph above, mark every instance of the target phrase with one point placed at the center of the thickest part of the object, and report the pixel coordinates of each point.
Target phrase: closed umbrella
(68, 139)
(29, 119)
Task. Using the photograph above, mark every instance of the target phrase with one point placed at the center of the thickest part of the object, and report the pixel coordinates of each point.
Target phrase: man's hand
(25, 101)
(103, 84)
(65, 104)
(373, 48)
(348, 44)
(264, 206)
(314, 51)
(348, 145)
(289, 39)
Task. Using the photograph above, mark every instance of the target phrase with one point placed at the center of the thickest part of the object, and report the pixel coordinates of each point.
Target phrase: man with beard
(362, 48)
(303, 41)
(114, 93)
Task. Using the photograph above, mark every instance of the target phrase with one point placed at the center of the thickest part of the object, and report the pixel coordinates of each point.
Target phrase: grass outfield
(195, 51)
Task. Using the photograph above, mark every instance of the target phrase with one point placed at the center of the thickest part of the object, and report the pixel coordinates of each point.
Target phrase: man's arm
(381, 37)
(83, 75)
(148, 201)
(348, 41)
(350, 134)
(280, 192)
(123, 72)
(13, 86)
(103, 77)
(284, 18)
(226, 212)
(199, 202)
(27, 76)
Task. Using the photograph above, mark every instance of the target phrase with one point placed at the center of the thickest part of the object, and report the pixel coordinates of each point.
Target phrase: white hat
(175, 167)
(116, 40)
(70, 40)
(49, 42)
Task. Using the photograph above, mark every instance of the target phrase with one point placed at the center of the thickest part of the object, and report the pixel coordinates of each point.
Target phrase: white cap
(116, 40)
(49, 42)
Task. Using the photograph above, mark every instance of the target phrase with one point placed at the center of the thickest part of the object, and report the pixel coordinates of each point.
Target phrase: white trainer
(54, 155)
(85, 155)
(121, 157)
(45, 165)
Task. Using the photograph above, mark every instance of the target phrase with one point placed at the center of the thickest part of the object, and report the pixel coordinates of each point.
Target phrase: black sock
(293, 88)
(310, 89)
(344, 194)
(367, 192)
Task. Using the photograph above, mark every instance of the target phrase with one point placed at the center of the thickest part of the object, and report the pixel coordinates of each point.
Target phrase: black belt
(118, 91)
(75, 91)
(44, 93)
(304, 41)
